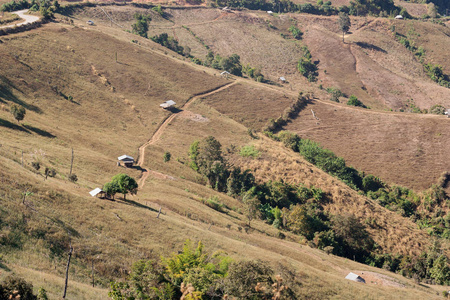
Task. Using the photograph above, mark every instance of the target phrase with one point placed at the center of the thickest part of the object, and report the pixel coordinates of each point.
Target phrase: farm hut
(282, 79)
(448, 113)
(354, 277)
(98, 192)
(399, 17)
(125, 160)
(90, 22)
(270, 12)
(225, 74)
(168, 104)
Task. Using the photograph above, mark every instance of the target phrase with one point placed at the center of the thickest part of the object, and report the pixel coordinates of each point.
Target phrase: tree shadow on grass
(4, 267)
(8, 124)
(41, 132)
(370, 47)
(7, 94)
(136, 204)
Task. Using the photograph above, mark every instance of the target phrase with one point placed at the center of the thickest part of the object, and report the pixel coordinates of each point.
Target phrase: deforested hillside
(219, 167)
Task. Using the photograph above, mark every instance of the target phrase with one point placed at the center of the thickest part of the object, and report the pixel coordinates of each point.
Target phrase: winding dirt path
(159, 131)
(28, 19)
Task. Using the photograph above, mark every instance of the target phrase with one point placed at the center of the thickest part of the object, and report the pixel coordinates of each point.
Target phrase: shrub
(437, 109)
(355, 102)
(73, 178)
(214, 203)
(167, 156)
(297, 33)
(50, 172)
(36, 165)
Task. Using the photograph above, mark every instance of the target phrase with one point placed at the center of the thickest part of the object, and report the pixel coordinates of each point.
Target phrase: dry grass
(115, 110)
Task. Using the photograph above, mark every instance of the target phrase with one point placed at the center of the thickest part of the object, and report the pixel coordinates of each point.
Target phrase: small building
(126, 161)
(168, 104)
(354, 277)
(270, 12)
(225, 74)
(448, 113)
(282, 79)
(399, 17)
(90, 22)
(98, 192)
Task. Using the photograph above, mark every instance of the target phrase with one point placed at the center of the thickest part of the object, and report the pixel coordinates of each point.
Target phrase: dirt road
(159, 131)
(28, 19)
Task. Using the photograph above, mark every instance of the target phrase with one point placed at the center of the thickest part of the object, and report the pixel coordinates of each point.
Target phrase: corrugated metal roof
(125, 157)
(167, 104)
(354, 277)
(95, 192)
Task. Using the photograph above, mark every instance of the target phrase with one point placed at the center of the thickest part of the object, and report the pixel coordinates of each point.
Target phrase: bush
(437, 110)
(167, 156)
(50, 172)
(36, 165)
(73, 178)
(214, 203)
(355, 102)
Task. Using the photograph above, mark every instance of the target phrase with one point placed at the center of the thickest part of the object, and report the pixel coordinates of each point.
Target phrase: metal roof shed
(167, 104)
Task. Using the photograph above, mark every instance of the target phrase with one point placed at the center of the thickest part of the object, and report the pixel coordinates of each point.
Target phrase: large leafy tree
(121, 183)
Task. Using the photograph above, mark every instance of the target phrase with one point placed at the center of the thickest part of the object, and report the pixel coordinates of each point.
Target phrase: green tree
(18, 112)
(251, 207)
(111, 189)
(440, 271)
(344, 23)
(125, 184)
(140, 27)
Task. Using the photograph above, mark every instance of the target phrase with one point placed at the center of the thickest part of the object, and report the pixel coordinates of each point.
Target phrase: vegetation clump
(306, 67)
(353, 101)
(194, 273)
(140, 27)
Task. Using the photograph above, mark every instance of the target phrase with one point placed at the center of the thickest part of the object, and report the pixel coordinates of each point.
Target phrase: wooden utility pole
(93, 282)
(71, 164)
(67, 271)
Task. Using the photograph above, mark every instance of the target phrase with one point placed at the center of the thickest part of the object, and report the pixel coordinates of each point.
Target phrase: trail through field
(159, 131)
(22, 14)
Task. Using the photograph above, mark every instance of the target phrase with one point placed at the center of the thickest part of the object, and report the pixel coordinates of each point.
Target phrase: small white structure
(225, 74)
(399, 17)
(355, 277)
(125, 160)
(225, 8)
(98, 192)
(282, 79)
(448, 113)
(90, 22)
(167, 104)
(270, 12)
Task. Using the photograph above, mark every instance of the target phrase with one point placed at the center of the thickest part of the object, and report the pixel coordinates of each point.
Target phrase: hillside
(97, 90)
